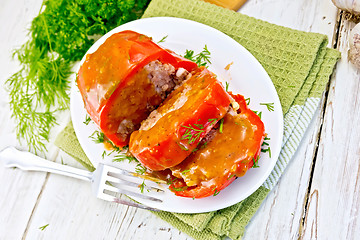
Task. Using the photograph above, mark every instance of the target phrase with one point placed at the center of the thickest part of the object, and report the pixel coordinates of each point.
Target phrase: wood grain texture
(284, 206)
(334, 197)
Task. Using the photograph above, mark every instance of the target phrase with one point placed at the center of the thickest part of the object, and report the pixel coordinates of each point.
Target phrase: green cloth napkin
(299, 65)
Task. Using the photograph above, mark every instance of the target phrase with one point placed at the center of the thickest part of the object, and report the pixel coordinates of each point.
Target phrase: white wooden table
(318, 197)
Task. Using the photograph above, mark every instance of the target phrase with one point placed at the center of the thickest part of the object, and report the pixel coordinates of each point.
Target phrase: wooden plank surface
(281, 214)
(31, 200)
(334, 201)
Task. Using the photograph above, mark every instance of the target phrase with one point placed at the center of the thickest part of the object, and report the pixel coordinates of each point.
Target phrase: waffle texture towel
(298, 63)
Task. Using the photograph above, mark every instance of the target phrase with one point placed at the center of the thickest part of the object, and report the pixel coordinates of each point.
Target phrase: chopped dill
(200, 126)
(226, 86)
(87, 120)
(192, 134)
(142, 186)
(185, 171)
(212, 120)
(42, 228)
(171, 181)
(231, 176)
(97, 136)
(179, 189)
(267, 150)
(266, 144)
(269, 106)
(201, 59)
(221, 125)
(255, 161)
(258, 113)
(216, 192)
(163, 39)
(140, 169)
(122, 157)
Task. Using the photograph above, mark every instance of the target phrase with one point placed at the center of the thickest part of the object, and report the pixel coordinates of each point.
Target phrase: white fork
(107, 181)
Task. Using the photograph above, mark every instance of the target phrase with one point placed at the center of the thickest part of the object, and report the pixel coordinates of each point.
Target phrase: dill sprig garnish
(269, 106)
(266, 144)
(163, 39)
(221, 127)
(87, 120)
(259, 113)
(226, 86)
(201, 59)
(122, 157)
(255, 162)
(212, 120)
(192, 134)
(140, 169)
(97, 137)
(142, 187)
(42, 228)
(216, 192)
(179, 189)
(185, 171)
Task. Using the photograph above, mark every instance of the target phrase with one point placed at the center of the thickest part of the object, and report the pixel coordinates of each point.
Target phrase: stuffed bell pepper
(126, 78)
(175, 129)
(227, 152)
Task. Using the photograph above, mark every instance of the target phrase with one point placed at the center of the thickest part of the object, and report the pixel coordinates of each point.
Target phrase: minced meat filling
(164, 78)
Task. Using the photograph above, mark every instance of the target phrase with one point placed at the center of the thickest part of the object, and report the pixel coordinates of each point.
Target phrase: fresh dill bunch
(40, 84)
(61, 34)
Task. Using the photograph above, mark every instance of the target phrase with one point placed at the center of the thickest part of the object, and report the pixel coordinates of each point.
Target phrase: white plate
(245, 76)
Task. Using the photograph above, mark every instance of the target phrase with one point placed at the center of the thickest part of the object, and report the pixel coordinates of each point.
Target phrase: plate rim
(275, 154)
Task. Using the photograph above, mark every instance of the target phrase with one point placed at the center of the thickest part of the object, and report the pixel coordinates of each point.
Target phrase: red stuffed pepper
(174, 130)
(125, 79)
(225, 153)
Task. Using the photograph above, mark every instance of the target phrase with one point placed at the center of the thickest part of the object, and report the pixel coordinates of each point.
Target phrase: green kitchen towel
(298, 63)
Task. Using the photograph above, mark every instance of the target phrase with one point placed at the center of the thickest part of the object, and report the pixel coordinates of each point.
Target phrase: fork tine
(116, 180)
(110, 198)
(132, 174)
(130, 193)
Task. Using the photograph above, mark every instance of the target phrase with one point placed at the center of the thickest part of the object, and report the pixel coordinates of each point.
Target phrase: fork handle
(30, 162)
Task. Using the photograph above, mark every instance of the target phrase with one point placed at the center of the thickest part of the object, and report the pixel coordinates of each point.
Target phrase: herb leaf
(42, 228)
(61, 34)
(201, 59)
(140, 169)
(221, 125)
(226, 86)
(269, 106)
(97, 137)
(192, 134)
(163, 39)
(87, 120)
(255, 161)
